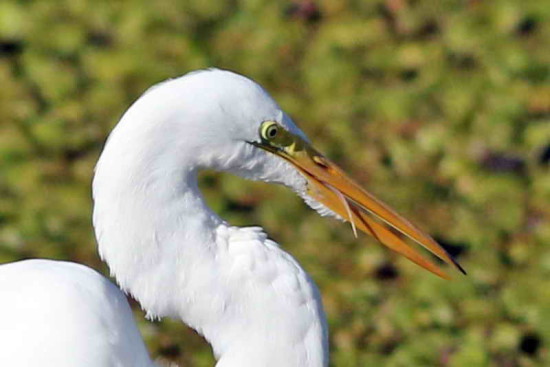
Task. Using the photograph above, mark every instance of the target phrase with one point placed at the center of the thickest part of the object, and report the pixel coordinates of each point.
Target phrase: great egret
(249, 298)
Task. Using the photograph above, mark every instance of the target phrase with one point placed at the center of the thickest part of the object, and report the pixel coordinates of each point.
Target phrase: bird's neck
(164, 246)
(153, 228)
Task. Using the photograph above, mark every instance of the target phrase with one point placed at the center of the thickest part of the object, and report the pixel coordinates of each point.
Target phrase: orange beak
(332, 187)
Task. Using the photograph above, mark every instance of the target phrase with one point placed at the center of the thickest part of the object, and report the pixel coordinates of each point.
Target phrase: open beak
(331, 186)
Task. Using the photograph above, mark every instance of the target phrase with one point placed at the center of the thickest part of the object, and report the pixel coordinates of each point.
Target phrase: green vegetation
(440, 107)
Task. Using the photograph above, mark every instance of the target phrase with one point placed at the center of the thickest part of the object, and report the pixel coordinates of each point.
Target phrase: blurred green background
(440, 107)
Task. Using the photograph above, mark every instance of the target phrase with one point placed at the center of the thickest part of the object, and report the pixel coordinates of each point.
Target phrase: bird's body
(63, 314)
(249, 298)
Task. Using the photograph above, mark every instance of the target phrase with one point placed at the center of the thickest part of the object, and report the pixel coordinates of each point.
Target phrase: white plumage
(55, 313)
(250, 299)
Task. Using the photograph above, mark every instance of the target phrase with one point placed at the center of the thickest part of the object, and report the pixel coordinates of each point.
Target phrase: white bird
(250, 299)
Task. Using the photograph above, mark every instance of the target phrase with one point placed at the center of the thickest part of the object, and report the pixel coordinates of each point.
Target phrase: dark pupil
(272, 132)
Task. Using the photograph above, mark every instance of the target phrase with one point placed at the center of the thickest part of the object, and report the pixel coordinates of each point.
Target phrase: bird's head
(220, 120)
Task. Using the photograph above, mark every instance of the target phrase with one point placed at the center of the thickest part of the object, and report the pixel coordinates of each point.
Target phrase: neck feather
(164, 246)
(149, 228)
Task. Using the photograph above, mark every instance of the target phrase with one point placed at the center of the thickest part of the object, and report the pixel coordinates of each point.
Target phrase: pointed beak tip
(460, 268)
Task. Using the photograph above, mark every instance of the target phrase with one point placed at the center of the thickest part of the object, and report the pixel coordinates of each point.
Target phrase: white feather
(59, 314)
(250, 299)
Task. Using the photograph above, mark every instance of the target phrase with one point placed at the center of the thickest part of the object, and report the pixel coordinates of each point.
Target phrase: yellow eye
(270, 130)
(275, 135)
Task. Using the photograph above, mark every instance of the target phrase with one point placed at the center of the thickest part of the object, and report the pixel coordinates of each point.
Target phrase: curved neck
(151, 228)
(164, 246)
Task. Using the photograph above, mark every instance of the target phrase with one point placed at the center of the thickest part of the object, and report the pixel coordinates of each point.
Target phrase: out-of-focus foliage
(442, 108)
